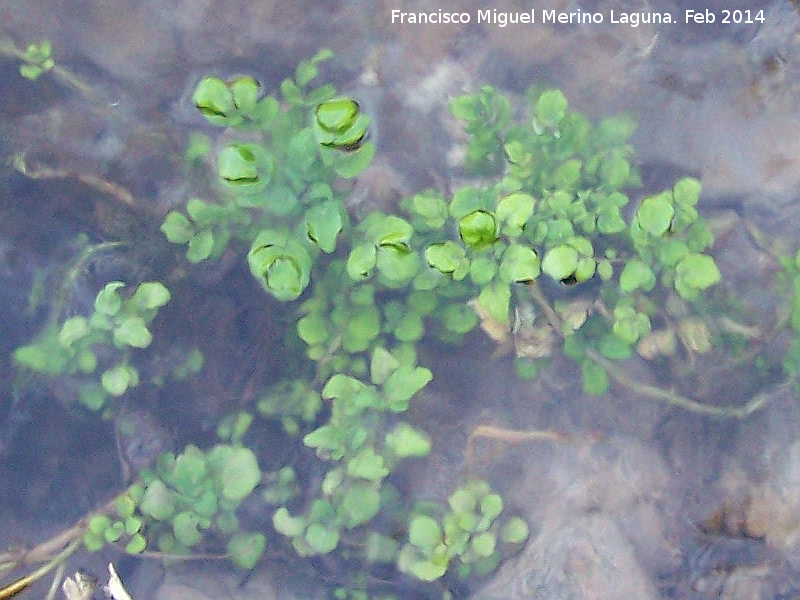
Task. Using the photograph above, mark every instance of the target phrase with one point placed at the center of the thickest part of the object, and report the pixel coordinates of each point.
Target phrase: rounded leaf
(184, 526)
(240, 474)
(158, 501)
(519, 263)
(359, 504)
(445, 256)
(177, 228)
(551, 108)
(424, 532)
(361, 261)
(655, 213)
(133, 332)
(245, 549)
(698, 271)
(282, 265)
(108, 301)
(515, 531)
(150, 295)
(560, 262)
(636, 274)
(478, 229)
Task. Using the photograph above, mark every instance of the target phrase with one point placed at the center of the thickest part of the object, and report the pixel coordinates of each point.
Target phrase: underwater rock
(588, 557)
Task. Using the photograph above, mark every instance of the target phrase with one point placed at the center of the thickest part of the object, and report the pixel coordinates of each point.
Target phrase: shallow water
(676, 499)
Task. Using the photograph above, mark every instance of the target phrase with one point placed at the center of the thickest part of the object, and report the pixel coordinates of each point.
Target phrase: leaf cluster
(183, 498)
(277, 189)
(37, 60)
(361, 456)
(104, 341)
(467, 534)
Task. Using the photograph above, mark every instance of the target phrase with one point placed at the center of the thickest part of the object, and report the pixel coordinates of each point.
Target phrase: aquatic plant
(80, 346)
(548, 214)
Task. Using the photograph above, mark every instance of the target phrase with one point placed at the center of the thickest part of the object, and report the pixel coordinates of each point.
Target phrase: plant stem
(669, 396)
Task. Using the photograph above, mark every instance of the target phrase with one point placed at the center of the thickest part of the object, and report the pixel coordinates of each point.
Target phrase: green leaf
(98, 524)
(515, 531)
(359, 504)
(389, 230)
(324, 223)
(482, 269)
(242, 165)
(114, 533)
(158, 501)
(363, 327)
(560, 262)
(108, 301)
(431, 208)
(177, 228)
(655, 213)
(615, 170)
(246, 549)
(551, 107)
(361, 261)
(341, 386)
(609, 220)
(189, 471)
(495, 299)
(477, 229)
(687, 191)
(465, 107)
(281, 264)
(401, 385)
(313, 329)
(695, 272)
(397, 265)
(321, 539)
(595, 378)
(428, 570)
(338, 115)
(671, 251)
(184, 526)
(636, 275)
(519, 264)
(410, 328)
(483, 544)
(136, 545)
(513, 212)
(468, 200)
(404, 441)
(117, 380)
(72, 330)
(613, 347)
(568, 174)
(382, 364)
(367, 464)
(463, 501)
(446, 256)
(200, 246)
(352, 163)
(125, 506)
(133, 332)
(615, 130)
(287, 525)
(151, 295)
(214, 100)
(240, 474)
(244, 91)
(491, 506)
(424, 533)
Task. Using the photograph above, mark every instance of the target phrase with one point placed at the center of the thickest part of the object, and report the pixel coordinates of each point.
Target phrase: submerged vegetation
(548, 212)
